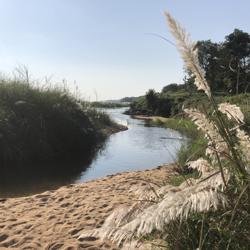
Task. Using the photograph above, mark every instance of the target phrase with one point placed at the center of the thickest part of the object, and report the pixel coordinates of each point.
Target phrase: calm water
(138, 148)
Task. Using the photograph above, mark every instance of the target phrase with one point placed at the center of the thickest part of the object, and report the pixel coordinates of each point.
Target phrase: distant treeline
(171, 100)
(109, 104)
(227, 69)
(166, 103)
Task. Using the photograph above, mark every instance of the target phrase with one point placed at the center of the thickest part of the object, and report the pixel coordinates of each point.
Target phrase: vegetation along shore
(44, 128)
(201, 201)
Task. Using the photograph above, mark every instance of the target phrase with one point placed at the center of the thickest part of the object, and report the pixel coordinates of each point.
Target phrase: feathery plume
(189, 53)
(125, 224)
(201, 165)
(216, 144)
(232, 111)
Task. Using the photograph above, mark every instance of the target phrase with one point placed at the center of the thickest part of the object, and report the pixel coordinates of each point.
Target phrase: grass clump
(183, 125)
(196, 142)
(45, 124)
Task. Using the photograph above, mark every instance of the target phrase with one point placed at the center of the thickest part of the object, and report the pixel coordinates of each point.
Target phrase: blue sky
(105, 46)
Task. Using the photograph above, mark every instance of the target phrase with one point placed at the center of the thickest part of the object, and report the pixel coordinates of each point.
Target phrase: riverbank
(114, 129)
(54, 219)
(46, 125)
(150, 118)
(194, 149)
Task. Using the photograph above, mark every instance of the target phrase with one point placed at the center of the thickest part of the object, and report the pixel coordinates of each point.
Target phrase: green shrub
(45, 124)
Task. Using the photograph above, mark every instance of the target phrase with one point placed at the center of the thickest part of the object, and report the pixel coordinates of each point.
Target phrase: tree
(226, 64)
(237, 46)
(151, 99)
(170, 87)
(210, 60)
(189, 81)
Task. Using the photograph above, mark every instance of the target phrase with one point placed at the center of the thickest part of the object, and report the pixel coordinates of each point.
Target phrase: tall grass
(208, 212)
(45, 124)
(195, 146)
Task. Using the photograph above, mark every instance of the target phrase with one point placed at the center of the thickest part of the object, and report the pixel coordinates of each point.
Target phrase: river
(138, 148)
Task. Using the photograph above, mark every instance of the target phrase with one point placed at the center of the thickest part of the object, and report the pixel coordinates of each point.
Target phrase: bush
(164, 104)
(45, 124)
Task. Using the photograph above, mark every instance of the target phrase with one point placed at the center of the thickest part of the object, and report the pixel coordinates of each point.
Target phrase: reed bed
(42, 123)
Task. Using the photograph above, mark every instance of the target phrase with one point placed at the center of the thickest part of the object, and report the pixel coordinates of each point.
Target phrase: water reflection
(38, 178)
(138, 148)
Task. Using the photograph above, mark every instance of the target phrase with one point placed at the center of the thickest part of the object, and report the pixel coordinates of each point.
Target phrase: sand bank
(149, 118)
(54, 219)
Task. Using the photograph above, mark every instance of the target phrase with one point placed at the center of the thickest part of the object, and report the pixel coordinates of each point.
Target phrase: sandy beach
(54, 219)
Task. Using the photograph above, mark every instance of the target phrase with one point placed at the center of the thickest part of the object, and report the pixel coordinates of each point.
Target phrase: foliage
(128, 99)
(182, 125)
(151, 99)
(44, 125)
(226, 64)
(226, 67)
(173, 87)
(139, 106)
(108, 105)
(166, 103)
